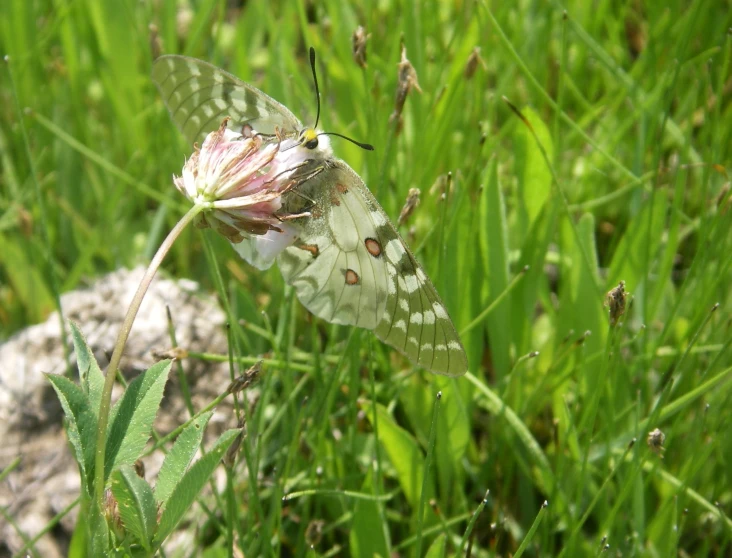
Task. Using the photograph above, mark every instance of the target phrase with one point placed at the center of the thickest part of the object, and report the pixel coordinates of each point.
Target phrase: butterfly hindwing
(199, 96)
(335, 276)
(350, 266)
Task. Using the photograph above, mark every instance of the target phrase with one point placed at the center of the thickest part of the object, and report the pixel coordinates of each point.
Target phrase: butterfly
(344, 257)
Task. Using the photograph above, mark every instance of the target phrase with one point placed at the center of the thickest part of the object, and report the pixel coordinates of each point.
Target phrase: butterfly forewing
(350, 266)
(199, 96)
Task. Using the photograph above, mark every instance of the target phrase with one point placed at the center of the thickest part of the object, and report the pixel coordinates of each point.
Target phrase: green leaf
(179, 457)
(22, 272)
(367, 537)
(534, 286)
(453, 427)
(133, 415)
(191, 484)
(535, 179)
(404, 453)
(437, 548)
(415, 399)
(218, 550)
(136, 504)
(78, 545)
(99, 531)
(581, 303)
(637, 245)
(494, 245)
(497, 407)
(92, 379)
(81, 426)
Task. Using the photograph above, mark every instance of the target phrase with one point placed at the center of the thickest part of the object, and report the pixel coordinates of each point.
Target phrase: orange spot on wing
(312, 248)
(373, 247)
(351, 277)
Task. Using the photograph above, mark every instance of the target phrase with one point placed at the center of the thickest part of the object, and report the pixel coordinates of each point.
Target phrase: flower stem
(124, 333)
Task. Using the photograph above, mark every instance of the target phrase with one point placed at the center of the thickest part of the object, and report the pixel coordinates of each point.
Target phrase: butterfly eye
(312, 144)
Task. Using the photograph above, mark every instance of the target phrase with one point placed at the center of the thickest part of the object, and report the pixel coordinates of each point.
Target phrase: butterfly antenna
(366, 146)
(317, 89)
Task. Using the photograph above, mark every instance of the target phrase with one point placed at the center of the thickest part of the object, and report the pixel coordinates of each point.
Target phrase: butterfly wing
(350, 266)
(262, 250)
(199, 96)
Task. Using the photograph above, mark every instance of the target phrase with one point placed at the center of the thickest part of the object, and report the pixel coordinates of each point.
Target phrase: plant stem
(119, 346)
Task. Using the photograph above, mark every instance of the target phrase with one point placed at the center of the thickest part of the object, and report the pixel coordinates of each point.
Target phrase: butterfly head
(308, 143)
(309, 138)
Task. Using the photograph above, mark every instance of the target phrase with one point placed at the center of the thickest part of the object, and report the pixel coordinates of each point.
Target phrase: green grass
(631, 104)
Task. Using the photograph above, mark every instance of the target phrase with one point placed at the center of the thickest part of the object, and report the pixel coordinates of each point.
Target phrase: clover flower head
(240, 179)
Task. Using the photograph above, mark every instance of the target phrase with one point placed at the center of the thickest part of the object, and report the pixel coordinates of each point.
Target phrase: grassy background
(631, 102)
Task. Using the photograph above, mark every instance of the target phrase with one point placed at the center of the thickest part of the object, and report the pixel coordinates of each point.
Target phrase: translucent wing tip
(458, 364)
(448, 359)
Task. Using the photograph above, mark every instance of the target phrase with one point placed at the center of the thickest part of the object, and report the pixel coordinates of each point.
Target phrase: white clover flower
(240, 180)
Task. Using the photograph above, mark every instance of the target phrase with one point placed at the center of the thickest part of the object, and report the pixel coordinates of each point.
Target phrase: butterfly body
(344, 257)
